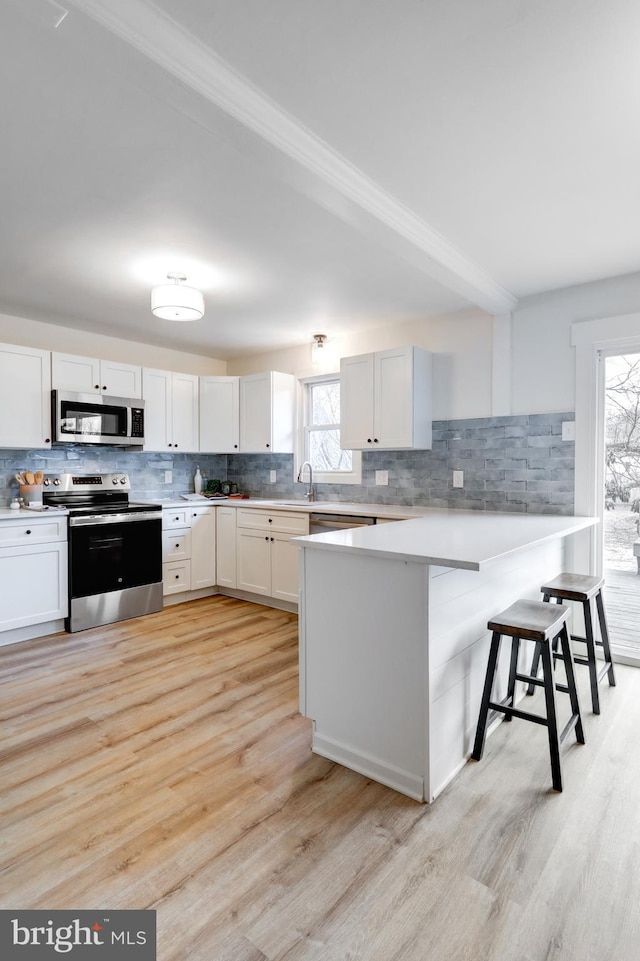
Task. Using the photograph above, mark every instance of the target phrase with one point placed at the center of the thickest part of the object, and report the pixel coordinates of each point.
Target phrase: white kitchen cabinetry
(226, 549)
(267, 561)
(203, 547)
(33, 571)
(88, 375)
(220, 415)
(267, 403)
(25, 397)
(171, 410)
(385, 400)
(188, 549)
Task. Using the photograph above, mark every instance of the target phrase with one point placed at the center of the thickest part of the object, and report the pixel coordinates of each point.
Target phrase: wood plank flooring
(622, 602)
(162, 763)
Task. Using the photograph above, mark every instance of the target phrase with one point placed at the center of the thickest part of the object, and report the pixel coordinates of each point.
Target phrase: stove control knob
(46, 482)
(115, 480)
(123, 480)
(56, 482)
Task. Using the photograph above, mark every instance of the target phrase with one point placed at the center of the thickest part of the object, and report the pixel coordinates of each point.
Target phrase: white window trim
(321, 477)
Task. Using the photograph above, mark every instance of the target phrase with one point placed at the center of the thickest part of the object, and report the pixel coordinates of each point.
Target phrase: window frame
(354, 476)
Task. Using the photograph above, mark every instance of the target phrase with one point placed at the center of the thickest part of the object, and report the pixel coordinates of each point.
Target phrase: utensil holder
(31, 493)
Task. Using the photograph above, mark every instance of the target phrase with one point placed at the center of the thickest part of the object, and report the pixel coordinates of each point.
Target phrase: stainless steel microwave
(96, 419)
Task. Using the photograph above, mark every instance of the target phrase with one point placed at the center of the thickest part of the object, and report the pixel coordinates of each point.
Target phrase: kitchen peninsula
(393, 638)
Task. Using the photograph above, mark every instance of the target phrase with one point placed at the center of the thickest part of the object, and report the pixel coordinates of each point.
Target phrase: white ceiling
(312, 165)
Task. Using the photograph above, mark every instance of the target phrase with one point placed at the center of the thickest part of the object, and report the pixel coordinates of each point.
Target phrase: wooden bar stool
(585, 590)
(541, 623)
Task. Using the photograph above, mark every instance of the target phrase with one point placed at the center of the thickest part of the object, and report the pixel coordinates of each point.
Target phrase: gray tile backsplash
(515, 463)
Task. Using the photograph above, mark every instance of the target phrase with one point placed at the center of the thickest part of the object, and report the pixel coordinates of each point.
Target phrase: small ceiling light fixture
(175, 301)
(323, 352)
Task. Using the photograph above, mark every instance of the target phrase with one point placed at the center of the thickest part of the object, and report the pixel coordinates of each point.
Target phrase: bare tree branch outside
(622, 461)
(323, 430)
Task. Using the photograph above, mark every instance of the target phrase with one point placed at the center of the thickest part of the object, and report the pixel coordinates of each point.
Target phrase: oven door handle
(97, 520)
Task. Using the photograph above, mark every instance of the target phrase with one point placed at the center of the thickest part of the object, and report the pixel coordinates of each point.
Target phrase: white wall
(34, 333)
(461, 342)
(543, 360)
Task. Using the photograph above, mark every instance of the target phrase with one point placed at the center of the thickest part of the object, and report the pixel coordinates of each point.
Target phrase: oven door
(114, 552)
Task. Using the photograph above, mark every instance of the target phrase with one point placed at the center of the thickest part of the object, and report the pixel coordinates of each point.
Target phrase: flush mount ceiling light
(175, 301)
(323, 352)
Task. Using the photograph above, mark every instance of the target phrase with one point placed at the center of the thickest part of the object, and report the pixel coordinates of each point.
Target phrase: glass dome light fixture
(175, 301)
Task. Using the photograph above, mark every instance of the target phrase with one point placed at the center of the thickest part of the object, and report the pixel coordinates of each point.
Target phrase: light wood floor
(622, 601)
(161, 763)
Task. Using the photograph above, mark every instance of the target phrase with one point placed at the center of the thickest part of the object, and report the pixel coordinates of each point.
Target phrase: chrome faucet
(310, 494)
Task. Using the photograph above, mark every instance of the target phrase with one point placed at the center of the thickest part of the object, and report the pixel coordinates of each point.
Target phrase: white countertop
(391, 511)
(450, 538)
(6, 513)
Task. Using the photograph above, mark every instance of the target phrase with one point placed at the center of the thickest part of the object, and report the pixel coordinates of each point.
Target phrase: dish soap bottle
(197, 481)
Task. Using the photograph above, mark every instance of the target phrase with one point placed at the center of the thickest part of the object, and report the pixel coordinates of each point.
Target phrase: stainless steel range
(115, 549)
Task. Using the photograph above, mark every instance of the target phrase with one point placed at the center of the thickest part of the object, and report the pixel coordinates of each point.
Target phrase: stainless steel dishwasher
(322, 523)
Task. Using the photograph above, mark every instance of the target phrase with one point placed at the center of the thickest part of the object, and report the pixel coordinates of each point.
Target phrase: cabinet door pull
(104, 386)
(266, 538)
(368, 440)
(27, 532)
(97, 386)
(177, 545)
(271, 520)
(375, 440)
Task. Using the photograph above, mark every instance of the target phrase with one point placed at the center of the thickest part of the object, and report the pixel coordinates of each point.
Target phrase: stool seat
(531, 620)
(573, 587)
(545, 625)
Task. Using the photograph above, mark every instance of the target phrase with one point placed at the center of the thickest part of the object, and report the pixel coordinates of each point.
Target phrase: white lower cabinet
(226, 548)
(203, 547)
(188, 549)
(33, 571)
(267, 562)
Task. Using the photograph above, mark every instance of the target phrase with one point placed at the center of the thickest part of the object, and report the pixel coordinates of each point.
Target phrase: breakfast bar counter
(394, 640)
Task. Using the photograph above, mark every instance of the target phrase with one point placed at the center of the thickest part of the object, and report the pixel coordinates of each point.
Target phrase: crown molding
(164, 41)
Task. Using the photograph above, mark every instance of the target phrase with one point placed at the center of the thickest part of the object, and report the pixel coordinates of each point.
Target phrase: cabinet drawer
(176, 577)
(24, 531)
(176, 545)
(285, 522)
(178, 517)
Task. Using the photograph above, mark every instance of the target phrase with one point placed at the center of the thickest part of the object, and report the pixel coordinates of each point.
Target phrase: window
(320, 433)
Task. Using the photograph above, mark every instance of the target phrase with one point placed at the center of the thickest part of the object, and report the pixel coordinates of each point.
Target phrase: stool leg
(571, 682)
(604, 631)
(481, 730)
(513, 667)
(535, 663)
(591, 656)
(552, 721)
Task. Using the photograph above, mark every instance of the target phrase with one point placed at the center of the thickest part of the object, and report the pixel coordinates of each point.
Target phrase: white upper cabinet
(88, 375)
(385, 400)
(220, 415)
(25, 397)
(267, 413)
(171, 410)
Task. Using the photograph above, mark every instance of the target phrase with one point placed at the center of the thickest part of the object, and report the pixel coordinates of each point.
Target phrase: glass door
(620, 457)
